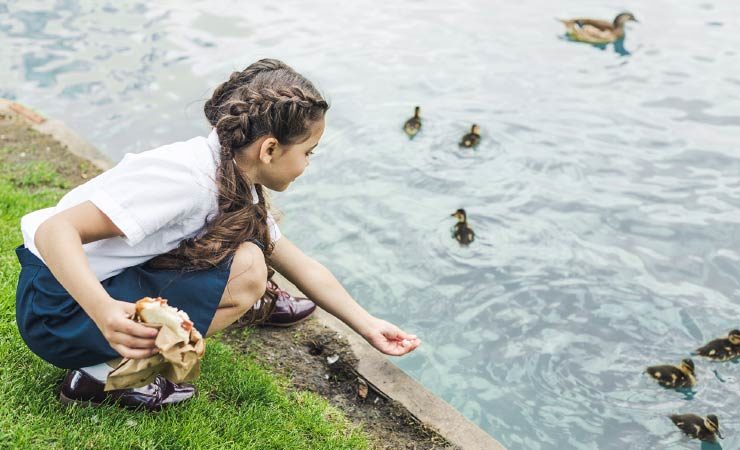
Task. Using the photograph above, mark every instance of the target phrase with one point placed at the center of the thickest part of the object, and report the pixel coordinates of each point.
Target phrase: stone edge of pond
(431, 410)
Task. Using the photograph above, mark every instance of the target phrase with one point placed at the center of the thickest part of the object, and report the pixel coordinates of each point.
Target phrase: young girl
(189, 222)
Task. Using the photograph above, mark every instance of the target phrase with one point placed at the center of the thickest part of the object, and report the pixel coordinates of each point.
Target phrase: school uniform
(156, 198)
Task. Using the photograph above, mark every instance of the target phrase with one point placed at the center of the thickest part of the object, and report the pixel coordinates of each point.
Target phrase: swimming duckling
(595, 31)
(413, 125)
(471, 139)
(722, 349)
(698, 427)
(463, 233)
(681, 376)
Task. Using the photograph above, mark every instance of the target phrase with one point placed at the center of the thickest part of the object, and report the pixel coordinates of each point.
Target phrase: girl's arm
(316, 281)
(59, 239)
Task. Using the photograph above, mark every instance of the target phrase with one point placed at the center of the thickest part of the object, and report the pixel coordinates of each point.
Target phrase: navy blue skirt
(58, 330)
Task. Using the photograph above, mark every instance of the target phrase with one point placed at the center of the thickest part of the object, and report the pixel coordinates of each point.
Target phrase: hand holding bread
(130, 339)
(180, 347)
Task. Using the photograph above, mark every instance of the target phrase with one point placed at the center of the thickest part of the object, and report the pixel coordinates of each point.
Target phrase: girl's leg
(247, 283)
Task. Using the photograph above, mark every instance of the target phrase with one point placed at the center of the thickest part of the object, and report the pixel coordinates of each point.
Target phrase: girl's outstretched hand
(389, 339)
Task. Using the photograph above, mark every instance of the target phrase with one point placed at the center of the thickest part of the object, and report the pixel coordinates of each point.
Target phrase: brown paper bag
(177, 360)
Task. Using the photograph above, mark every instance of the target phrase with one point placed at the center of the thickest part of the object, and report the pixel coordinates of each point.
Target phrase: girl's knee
(247, 278)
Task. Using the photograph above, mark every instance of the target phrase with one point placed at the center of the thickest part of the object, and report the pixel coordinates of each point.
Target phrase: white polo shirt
(156, 198)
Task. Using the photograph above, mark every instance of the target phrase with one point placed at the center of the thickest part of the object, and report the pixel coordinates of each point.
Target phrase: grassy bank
(240, 404)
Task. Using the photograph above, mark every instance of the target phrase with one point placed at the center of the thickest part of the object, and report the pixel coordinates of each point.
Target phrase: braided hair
(266, 98)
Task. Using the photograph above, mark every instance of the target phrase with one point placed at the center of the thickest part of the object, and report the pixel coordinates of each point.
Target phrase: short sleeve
(146, 192)
(275, 233)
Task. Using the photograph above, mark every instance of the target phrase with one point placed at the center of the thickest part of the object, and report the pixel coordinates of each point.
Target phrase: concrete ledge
(59, 131)
(373, 366)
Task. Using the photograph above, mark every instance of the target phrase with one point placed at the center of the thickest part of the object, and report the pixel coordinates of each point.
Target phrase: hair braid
(266, 98)
(237, 79)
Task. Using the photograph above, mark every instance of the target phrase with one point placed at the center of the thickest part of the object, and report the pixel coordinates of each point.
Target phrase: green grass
(240, 404)
(36, 174)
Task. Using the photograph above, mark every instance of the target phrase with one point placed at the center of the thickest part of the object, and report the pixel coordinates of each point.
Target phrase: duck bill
(719, 434)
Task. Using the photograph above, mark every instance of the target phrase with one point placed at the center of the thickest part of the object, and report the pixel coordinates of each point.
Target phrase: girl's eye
(309, 153)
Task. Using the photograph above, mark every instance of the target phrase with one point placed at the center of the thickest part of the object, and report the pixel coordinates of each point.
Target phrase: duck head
(623, 18)
(688, 365)
(734, 337)
(460, 215)
(475, 129)
(712, 424)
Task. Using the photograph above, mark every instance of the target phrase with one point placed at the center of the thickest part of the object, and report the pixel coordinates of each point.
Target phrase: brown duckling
(698, 427)
(471, 139)
(680, 376)
(722, 349)
(462, 233)
(594, 31)
(413, 125)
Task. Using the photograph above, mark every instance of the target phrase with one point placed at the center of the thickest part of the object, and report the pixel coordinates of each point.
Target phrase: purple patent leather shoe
(84, 390)
(288, 310)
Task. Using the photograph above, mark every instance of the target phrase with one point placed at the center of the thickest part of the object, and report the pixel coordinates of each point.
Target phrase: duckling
(471, 139)
(463, 233)
(722, 349)
(698, 427)
(681, 376)
(594, 31)
(413, 125)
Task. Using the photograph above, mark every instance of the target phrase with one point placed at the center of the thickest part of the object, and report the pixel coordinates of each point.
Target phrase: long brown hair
(266, 98)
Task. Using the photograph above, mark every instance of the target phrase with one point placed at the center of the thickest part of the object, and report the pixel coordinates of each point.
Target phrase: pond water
(604, 194)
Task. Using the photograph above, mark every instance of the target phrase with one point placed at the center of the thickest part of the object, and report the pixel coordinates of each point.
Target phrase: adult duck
(594, 31)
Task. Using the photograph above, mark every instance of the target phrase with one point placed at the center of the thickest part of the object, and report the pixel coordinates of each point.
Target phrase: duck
(595, 31)
(413, 125)
(462, 233)
(722, 349)
(471, 139)
(698, 427)
(680, 376)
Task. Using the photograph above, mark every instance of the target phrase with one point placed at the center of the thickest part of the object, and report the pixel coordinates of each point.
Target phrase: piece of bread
(157, 311)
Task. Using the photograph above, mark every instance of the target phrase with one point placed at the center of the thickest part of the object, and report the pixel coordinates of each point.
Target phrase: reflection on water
(618, 45)
(604, 194)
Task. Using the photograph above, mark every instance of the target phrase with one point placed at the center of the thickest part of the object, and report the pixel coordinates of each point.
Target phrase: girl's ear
(267, 149)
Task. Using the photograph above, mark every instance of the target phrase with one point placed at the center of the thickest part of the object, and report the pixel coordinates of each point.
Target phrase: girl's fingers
(399, 348)
(134, 353)
(409, 349)
(138, 330)
(409, 345)
(395, 334)
(132, 342)
(403, 335)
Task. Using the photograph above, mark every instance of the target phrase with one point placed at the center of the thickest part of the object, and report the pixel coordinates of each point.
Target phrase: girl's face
(288, 163)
